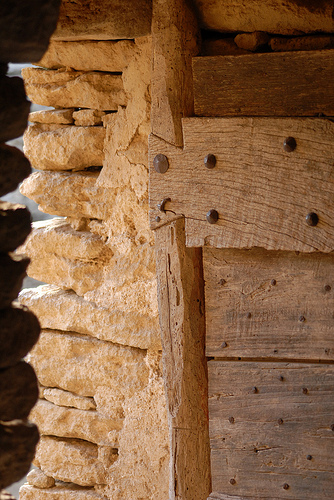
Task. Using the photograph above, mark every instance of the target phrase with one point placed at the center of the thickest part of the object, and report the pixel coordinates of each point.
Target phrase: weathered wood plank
(281, 16)
(261, 192)
(274, 84)
(181, 308)
(265, 304)
(175, 35)
(270, 426)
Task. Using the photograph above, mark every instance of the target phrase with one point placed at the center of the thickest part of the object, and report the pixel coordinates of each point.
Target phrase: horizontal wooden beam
(274, 84)
(262, 188)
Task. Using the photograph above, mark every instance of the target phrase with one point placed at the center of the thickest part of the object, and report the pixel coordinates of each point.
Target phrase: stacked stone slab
(101, 410)
(24, 34)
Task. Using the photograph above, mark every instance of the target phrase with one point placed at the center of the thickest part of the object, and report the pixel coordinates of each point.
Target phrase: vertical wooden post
(179, 269)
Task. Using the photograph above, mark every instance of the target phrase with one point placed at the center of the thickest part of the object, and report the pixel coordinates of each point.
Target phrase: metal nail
(255, 390)
(289, 144)
(309, 457)
(157, 219)
(280, 421)
(281, 378)
(160, 163)
(286, 486)
(273, 282)
(210, 161)
(232, 481)
(302, 319)
(223, 345)
(161, 205)
(231, 420)
(305, 390)
(327, 288)
(212, 216)
(312, 219)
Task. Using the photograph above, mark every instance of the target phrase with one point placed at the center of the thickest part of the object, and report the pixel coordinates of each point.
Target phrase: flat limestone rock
(80, 364)
(67, 194)
(68, 88)
(65, 398)
(19, 391)
(89, 55)
(19, 332)
(38, 478)
(18, 442)
(103, 20)
(74, 424)
(284, 17)
(64, 148)
(88, 117)
(65, 310)
(14, 167)
(81, 466)
(57, 116)
(62, 491)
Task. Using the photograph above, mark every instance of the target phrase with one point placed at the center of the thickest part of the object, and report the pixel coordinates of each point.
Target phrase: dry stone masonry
(101, 410)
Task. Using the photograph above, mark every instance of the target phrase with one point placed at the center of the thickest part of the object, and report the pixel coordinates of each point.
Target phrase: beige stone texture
(55, 116)
(81, 466)
(65, 398)
(65, 257)
(62, 491)
(89, 55)
(53, 420)
(64, 148)
(103, 19)
(59, 309)
(67, 194)
(252, 41)
(80, 364)
(221, 47)
(74, 89)
(283, 17)
(141, 472)
(39, 479)
(315, 42)
(88, 117)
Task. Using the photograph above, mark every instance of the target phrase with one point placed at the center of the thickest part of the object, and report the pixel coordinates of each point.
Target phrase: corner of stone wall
(101, 412)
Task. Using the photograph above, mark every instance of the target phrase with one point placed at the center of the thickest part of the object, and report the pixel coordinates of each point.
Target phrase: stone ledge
(66, 491)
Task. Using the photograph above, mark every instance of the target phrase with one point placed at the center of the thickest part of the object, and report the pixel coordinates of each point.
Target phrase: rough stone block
(12, 271)
(38, 478)
(14, 167)
(63, 148)
(88, 117)
(19, 332)
(65, 398)
(62, 491)
(57, 308)
(25, 28)
(14, 108)
(89, 55)
(106, 20)
(73, 260)
(15, 225)
(72, 194)
(18, 441)
(55, 116)
(71, 423)
(81, 466)
(67, 88)
(19, 391)
(252, 41)
(80, 364)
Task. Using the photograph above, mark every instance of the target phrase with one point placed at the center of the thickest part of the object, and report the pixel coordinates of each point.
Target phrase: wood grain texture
(270, 425)
(175, 36)
(261, 192)
(181, 309)
(266, 304)
(279, 84)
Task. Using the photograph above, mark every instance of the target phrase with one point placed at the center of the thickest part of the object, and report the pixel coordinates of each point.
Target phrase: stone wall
(101, 412)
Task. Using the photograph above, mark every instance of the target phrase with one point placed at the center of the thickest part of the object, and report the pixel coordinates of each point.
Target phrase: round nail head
(289, 144)
(286, 486)
(157, 219)
(160, 163)
(309, 457)
(232, 481)
(212, 216)
(312, 219)
(210, 161)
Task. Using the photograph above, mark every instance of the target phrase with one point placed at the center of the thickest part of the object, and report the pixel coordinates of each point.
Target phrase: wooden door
(241, 198)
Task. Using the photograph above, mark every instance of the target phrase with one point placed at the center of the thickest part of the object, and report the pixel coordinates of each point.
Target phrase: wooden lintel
(181, 307)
